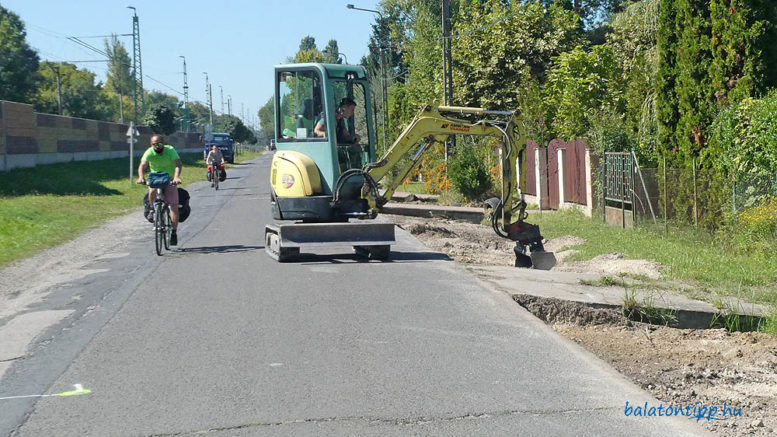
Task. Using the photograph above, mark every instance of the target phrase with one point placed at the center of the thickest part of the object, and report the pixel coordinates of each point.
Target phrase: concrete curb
(690, 313)
(469, 214)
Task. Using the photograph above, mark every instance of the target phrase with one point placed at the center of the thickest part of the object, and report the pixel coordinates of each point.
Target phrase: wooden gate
(574, 172)
(553, 172)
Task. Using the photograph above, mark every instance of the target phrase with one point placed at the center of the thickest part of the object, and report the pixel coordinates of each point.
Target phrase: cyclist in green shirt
(161, 157)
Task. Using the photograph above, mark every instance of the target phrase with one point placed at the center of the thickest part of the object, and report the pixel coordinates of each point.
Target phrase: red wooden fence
(573, 155)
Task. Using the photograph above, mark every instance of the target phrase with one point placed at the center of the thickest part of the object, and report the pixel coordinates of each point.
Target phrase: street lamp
(382, 74)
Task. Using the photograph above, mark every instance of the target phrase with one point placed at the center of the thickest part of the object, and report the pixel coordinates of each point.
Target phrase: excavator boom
(434, 125)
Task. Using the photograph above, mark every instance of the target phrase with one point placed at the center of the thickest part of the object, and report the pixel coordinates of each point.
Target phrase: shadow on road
(220, 249)
(395, 257)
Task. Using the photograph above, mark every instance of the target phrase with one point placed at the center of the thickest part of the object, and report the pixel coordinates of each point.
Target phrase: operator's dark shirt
(343, 136)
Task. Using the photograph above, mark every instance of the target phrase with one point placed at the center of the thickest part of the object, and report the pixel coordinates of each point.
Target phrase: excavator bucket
(542, 260)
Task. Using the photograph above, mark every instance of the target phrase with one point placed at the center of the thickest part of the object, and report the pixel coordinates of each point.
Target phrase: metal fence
(699, 197)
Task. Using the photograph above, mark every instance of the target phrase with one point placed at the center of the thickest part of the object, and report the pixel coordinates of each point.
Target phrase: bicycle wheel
(168, 227)
(216, 178)
(159, 228)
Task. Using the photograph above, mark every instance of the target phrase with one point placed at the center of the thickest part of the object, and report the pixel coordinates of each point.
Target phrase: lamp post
(382, 75)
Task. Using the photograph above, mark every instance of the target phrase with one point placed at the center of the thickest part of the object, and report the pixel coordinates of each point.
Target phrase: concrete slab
(567, 286)
(402, 197)
(469, 214)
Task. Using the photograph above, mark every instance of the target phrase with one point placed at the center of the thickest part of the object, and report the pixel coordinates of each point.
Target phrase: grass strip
(691, 256)
(47, 205)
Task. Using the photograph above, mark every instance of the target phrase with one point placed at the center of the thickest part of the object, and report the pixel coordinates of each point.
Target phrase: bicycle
(213, 170)
(163, 224)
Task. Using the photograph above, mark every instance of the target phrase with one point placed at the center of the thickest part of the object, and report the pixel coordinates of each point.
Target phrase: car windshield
(220, 139)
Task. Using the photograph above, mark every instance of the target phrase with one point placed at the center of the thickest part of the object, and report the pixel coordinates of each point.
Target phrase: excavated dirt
(680, 367)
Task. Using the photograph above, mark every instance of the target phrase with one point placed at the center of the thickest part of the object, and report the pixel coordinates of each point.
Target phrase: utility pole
(185, 113)
(447, 70)
(384, 87)
(137, 65)
(210, 103)
(222, 99)
(209, 95)
(229, 104)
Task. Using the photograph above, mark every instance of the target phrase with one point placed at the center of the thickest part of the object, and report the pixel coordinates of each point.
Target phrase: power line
(164, 84)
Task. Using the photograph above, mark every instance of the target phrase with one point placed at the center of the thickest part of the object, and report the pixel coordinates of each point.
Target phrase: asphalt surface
(217, 337)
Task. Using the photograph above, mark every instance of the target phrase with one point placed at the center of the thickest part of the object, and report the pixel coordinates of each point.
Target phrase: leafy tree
(171, 101)
(267, 119)
(634, 44)
(469, 173)
(235, 128)
(200, 114)
(308, 51)
(580, 84)
(120, 80)
(307, 43)
(743, 138)
(18, 62)
(592, 12)
(331, 52)
(120, 86)
(667, 109)
(160, 118)
(744, 38)
(490, 65)
(695, 98)
(81, 96)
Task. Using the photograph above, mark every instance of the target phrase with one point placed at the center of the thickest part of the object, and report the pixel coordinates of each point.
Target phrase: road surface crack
(401, 421)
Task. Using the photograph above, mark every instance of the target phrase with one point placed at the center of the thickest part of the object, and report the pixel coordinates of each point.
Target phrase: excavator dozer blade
(542, 260)
(283, 241)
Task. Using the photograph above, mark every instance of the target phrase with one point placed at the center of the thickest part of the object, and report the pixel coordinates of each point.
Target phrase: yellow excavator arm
(436, 124)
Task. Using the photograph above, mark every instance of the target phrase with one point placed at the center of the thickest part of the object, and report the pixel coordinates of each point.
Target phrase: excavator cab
(309, 161)
(312, 156)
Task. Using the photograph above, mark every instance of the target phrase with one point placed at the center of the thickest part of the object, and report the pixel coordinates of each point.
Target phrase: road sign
(132, 140)
(132, 131)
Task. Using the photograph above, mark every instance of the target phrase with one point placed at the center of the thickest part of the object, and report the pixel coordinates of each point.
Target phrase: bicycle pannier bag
(158, 179)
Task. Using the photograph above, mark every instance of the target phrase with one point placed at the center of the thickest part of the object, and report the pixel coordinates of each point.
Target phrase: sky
(237, 42)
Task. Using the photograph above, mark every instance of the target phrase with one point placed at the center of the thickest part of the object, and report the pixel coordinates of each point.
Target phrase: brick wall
(28, 138)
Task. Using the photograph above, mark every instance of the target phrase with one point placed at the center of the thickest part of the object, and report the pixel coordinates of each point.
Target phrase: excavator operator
(345, 110)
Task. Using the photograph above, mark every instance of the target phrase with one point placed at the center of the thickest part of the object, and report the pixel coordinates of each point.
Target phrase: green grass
(47, 205)
(646, 311)
(692, 257)
(412, 187)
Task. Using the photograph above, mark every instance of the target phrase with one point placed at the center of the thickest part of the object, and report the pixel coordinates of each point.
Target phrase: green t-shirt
(161, 162)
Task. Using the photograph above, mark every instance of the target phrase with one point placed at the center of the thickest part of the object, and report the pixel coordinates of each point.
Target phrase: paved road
(241, 345)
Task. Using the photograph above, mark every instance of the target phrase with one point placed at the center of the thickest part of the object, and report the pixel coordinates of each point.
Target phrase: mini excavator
(328, 188)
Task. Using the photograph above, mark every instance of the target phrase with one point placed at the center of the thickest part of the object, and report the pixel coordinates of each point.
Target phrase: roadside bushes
(744, 138)
(469, 172)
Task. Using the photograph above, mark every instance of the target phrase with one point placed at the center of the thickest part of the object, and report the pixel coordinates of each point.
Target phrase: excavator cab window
(353, 155)
(299, 100)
